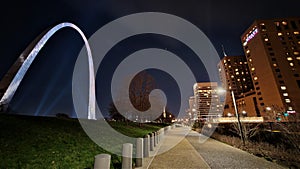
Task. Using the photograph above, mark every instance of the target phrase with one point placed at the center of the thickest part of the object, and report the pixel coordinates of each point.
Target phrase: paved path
(182, 149)
(219, 155)
(176, 152)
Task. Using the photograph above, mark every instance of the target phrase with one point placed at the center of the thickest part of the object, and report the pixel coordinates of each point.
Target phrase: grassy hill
(49, 142)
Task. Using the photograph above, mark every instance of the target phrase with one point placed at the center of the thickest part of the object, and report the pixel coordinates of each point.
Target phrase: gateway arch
(11, 81)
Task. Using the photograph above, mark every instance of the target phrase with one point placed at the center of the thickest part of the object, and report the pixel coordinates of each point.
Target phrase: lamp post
(238, 118)
(236, 113)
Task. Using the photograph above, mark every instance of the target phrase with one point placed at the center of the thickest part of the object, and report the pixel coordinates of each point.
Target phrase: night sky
(46, 88)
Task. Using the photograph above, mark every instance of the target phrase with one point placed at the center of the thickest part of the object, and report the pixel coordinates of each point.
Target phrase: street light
(221, 91)
(238, 118)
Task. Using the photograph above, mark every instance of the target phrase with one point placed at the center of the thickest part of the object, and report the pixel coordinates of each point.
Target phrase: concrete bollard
(154, 139)
(151, 142)
(147, 145)
(102, 161)
(127, 156)
(139, 152)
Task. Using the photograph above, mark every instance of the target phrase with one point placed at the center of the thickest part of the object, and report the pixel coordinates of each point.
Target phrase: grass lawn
(49, 142)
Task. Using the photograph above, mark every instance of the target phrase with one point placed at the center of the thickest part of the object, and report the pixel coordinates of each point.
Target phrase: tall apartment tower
(192, 108)
(207, 100)
(272, 49)
(235, 76)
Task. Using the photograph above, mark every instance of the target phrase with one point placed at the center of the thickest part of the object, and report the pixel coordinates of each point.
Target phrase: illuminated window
(298, 58)
(241, 63)
(291, 64)
(250, 60)
(285, 94)
(279, 34)
(274, 64)
(289, 58)
(266, 39)
(296, 53)
(232, 76)
(236, 70)
(229, 66)
(224, 61)
(290, 108)
(245, 63)
(238, 80)
(255, 78)
(283, 87)
(299, 42)
(285, 25)
(253, 69)
(287, 100)
(248, 51)
(237, 73)
(229, 87)
(296, 33)
(244, 79)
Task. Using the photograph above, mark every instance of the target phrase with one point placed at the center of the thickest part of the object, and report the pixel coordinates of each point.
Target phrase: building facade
(272, 49)
(235, 76)
(192, 108)
(207, 100)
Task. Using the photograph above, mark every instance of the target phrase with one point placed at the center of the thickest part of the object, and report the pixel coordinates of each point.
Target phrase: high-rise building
(192, 108)
(235, 76)
(192, 104)
(207, 100)
(272, 49)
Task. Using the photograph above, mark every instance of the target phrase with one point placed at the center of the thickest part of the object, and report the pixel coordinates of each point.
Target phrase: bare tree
(114, 114)
(139, 90)
(248, 129)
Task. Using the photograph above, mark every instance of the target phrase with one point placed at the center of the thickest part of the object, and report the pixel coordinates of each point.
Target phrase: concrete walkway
(220, 155)
(180, 149)
(174, 152)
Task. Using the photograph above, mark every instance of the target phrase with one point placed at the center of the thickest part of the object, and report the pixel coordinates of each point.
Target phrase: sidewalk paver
(175, 152)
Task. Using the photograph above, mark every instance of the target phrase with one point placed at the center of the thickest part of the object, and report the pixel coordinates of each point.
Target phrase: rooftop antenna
(223, 50)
